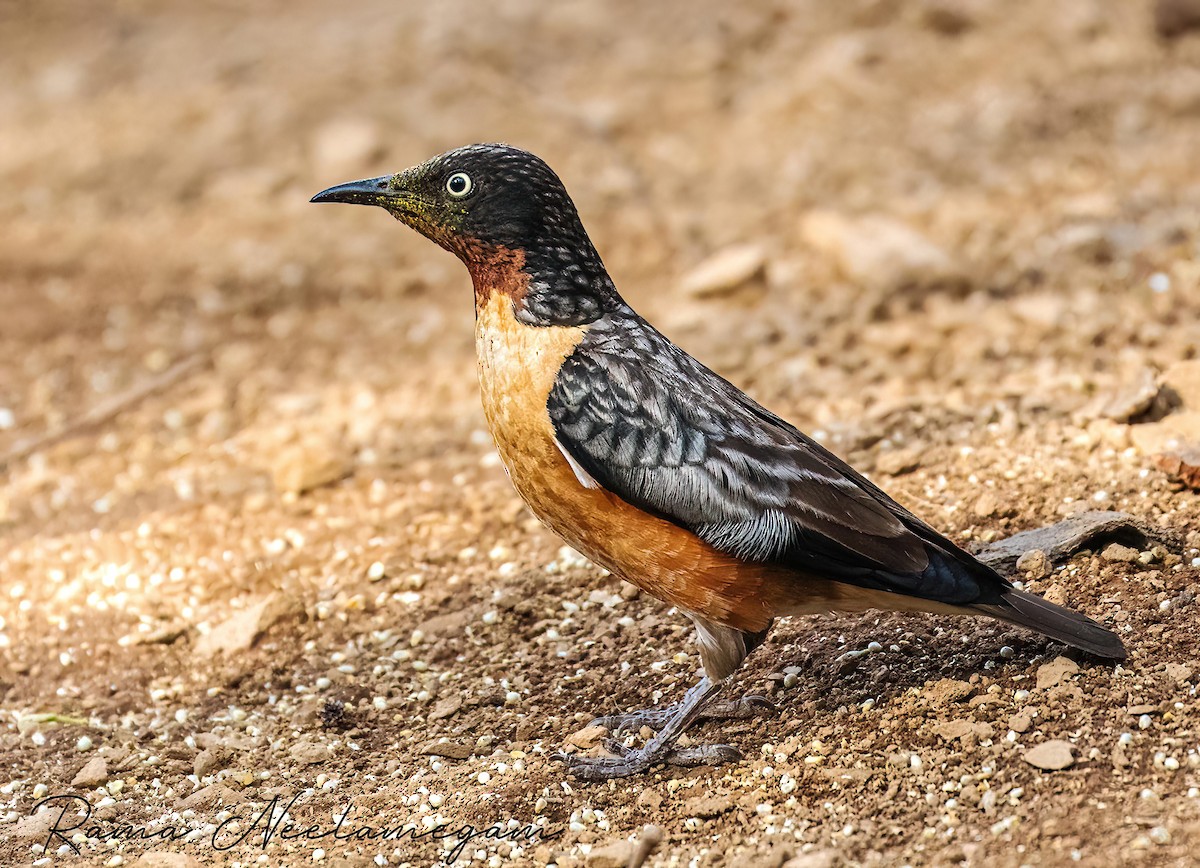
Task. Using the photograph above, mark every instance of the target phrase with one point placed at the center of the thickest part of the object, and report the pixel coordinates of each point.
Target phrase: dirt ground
(255, 545)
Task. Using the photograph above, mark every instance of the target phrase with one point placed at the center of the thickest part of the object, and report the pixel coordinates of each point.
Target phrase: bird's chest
(517, 368)
(518, 365)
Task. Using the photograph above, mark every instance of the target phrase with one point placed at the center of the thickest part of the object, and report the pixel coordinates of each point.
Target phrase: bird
(658, 469)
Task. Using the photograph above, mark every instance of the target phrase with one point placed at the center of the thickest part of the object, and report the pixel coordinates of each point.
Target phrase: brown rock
(614, 855)
(1173, 18)
(1020, 722)
(306, 466)
(1119, 553)
(706, 807)
(897, 462)
(880, 252)
(1183, 378)
(986, 504)
(1175, 433)
(448, 624)
(1055, 672)
(240, 631)
(447, 706)
(1182, 465)
(1134, 399)
(1034, 564)
(649, 800)
(205, 762)
(37, 826)
(948, 690)
(588, 737)
(208, 797)
(1178, 672)
(309, 753)
(967, 731)
(1120, 758)
(93, 774)
(1050, 755)
(946, 17)
(449, 749)
(1057, 594)
(725, 271)
(212, 741)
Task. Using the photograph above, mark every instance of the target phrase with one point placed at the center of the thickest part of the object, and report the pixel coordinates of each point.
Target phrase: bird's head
(499, 209)
(473, 200)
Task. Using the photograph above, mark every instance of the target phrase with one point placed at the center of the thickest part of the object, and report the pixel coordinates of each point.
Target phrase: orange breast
(517, 368)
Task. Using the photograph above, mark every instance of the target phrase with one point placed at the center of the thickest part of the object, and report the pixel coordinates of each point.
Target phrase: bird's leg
(660, 748)
(722, 650)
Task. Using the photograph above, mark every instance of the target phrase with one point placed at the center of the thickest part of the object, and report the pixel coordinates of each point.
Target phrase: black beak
(372, 191)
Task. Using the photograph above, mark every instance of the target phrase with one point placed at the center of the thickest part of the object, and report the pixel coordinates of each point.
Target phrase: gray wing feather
(640, 417)
(662, 431)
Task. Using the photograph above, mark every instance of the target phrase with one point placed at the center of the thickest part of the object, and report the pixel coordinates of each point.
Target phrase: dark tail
(1078, 631)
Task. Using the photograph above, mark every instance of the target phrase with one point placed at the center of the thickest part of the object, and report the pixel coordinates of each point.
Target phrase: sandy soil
(254, 542)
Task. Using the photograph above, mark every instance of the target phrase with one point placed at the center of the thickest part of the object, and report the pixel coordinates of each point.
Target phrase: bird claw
(616, 748)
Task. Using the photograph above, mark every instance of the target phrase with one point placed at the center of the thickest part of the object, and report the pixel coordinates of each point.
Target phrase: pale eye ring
(459, 185)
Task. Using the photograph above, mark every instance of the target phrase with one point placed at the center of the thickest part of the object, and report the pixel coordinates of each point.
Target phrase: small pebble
(84, 743)
(1050, 755)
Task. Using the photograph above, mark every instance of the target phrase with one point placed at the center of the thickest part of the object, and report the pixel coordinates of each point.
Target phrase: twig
(106, 410)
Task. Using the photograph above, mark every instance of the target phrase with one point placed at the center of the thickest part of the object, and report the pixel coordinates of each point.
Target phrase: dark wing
(655, 427)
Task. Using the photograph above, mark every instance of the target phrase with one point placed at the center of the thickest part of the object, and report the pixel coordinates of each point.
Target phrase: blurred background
(956, 240)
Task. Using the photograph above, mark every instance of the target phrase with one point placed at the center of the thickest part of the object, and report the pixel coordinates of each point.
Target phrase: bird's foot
(671, 722)
(628, 761)
(656, 718)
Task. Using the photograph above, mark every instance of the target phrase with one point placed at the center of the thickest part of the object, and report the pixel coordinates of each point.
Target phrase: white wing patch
(585, 478)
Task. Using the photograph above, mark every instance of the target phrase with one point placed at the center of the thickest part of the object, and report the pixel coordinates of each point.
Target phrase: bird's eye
(459, 185)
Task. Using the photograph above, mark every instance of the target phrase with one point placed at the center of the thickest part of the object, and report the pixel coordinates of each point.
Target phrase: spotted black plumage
(659, 429)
